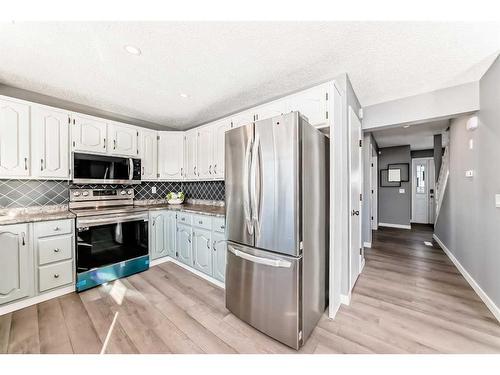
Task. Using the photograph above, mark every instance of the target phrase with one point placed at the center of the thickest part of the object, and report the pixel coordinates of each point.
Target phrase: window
(420, 179)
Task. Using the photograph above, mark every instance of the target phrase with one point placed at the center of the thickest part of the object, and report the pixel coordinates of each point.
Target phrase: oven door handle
(81, 223)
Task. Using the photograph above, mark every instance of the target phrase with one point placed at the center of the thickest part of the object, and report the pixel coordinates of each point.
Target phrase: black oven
(103, 169)
(110, 247)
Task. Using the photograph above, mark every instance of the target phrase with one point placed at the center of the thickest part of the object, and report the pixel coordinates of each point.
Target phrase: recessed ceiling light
(406, 126)
(132, 50)
(184, 96)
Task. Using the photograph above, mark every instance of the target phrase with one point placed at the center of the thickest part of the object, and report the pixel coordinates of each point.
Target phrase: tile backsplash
(26, 193)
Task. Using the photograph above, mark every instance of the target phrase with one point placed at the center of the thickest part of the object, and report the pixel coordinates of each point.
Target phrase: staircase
(444, 173)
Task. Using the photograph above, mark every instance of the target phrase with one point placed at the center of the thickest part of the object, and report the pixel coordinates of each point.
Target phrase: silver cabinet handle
(194, 170)
(23, 238)
(213, 245)
(114, 144)
(26, 164)
(104, 143)
(56, 250)
(182, 171)
(265, 261)
(215, 168)
(189, 238)
(41, 164)
(210, 169)
(143, 171)
(56, 276)
(246, 188)
(208, 244)
(200, 222)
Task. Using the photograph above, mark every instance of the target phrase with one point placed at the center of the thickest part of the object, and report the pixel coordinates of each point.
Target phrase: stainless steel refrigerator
(277, 226)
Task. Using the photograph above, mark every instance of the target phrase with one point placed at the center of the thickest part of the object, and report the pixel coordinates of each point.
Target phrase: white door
(89, 134)
(49, 143)
(275, 108)
(356, 251)
(423, 190)
(171, 155)
(312, 104)
(242, 118)
(191, 170)
(219, 131)
(14, 139)
(123, 139)
(204, 153)
(149, 154)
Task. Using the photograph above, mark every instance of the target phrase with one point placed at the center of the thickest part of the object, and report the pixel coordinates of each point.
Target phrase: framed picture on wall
(384, 179)
(394, 175)
(404, 169)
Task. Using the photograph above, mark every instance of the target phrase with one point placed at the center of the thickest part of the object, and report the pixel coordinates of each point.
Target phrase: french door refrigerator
(277, 226)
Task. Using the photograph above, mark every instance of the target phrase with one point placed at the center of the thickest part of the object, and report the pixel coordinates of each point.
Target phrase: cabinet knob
(56, 276)
(57, 229)
(56, 250)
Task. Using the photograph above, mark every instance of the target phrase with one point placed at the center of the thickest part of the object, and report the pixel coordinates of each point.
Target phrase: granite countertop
(217, 209)
(34, 214)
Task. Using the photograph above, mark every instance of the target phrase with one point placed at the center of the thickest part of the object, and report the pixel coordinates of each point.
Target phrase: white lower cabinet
(197, 240)
(16, 263)
(35, 258)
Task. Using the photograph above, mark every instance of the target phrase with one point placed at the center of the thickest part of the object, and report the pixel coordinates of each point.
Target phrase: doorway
(423, 185)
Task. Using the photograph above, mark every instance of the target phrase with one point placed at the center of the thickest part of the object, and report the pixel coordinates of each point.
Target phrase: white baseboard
(190, 269)
(400, 226)
(345, 299)
(481, 293)
(367, 244)
(37, 299)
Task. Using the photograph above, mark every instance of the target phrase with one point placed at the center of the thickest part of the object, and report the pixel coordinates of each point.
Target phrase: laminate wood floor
(410, 298)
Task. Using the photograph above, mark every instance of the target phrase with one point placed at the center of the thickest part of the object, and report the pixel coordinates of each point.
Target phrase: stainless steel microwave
(103, 169)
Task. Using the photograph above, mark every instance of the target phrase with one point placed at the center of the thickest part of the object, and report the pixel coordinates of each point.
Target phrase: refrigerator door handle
(255, 171)
(246, 193)
(266, 261)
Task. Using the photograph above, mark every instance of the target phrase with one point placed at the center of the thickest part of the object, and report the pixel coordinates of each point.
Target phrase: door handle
(265, 261)
(255, 200)
(246, 187)
(354, 212)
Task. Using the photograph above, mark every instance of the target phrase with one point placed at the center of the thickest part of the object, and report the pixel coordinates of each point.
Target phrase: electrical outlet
(469, 173)
(401, 191)
(153, 190)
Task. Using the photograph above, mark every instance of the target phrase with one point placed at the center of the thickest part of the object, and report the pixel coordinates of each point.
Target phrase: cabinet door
(219, 131)
(16, 263)
(14, 139)
(219, 255)
(275, 108)
(123, 139)
(184, 244)
(157, 229)
(49, 143)
(202, 250)
(149, 154)
(89, 134)
(170, 232)
(242, 118)
(204, 153)
(171, 155)
(311, 103)
(191, 171)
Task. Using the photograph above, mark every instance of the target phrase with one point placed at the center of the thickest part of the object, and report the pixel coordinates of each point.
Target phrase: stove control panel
(78, 195)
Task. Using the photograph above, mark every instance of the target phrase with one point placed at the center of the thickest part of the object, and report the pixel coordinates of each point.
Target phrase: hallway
(411, 298)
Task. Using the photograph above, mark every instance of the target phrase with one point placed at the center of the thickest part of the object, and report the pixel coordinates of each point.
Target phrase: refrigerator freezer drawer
(263, 290)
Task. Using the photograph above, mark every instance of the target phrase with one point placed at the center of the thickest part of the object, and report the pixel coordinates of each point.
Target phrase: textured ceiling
(225, 67)
(419, 137)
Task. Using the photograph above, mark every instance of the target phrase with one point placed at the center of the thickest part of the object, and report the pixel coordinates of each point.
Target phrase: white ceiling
(225, 67)
(419, 137)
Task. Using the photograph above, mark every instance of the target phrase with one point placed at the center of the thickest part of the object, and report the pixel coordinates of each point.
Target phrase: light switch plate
(153, 189)
(401, 191)
(469, 173)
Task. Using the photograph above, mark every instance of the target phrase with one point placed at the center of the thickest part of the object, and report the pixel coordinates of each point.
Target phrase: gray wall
(394, 207)
(422, 153)
(369, 144)
(468, 223)
(450, 101)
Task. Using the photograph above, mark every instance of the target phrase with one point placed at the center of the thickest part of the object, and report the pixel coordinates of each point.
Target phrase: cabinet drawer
(202, 221)
(55, 275)
(54, 249)
(184, 218)
(219, 224)
(53, 228)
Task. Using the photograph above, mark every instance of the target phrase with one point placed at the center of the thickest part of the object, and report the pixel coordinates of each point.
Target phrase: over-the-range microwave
(103, 169)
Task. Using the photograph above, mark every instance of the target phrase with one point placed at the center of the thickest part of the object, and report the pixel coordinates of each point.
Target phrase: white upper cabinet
(49, 143)
(275, 108)
(204, 153)
(171, 155)
(219, 132)
(243, 118)
(14, 139)
(123, 139)
(89, 134)
(190, 148)
(149, 154)
(311, 103)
